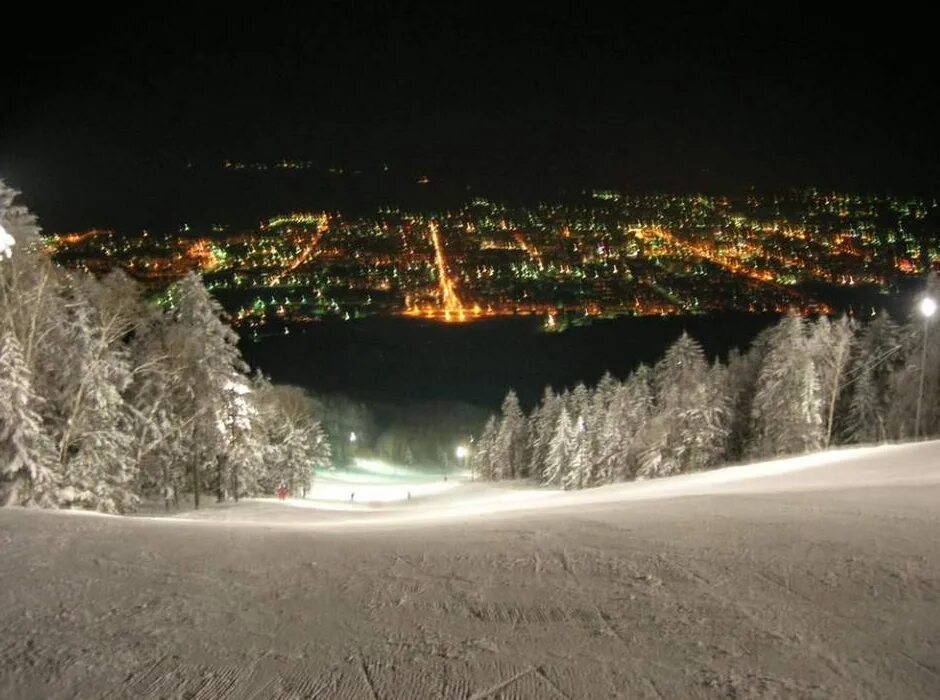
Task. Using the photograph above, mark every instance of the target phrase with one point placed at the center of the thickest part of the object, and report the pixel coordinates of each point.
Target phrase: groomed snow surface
(816, 577)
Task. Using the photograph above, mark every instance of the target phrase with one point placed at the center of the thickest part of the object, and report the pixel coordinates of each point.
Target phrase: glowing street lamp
(462, 453)
(927, 308)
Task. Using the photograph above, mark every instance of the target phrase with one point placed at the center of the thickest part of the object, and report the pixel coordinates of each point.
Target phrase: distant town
(609, 254)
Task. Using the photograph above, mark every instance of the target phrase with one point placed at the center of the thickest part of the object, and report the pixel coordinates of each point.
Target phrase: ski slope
(816, 577)
(381, 491)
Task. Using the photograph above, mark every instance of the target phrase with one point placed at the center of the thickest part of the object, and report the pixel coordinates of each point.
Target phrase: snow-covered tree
(6, 243)
(578, 401)
(578, 473)
(92, 429)
(509, 453)
(786, 412)
(875, 361)
(295, 444)
(481, 458)
(542, 430)
(689, 430)
(26, 454)
(207, 362)
(830, 346)
(627, 415)
(560, 450)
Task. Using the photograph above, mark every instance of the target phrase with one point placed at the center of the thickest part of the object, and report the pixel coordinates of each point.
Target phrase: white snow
(6, 243)
(811, 577)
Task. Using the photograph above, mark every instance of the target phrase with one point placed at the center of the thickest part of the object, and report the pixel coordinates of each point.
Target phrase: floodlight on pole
(927, 308)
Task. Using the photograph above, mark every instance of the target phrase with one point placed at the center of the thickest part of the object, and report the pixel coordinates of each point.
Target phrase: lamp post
(461, 453)
(352, 448)
(927, 308)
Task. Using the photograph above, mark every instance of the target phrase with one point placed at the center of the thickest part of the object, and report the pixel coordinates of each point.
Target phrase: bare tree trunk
(235, 480)
(220, 476)
(196, 482)
(834, 394)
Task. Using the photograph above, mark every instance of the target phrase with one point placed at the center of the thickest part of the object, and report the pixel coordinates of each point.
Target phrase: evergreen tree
(578, 472)
(830, 346)
(93, 433)
(482, 456)
(560, 450)
(207, 362)
(26, 454)
(786, 412)
(875, 361)
(627, 417)
(689, 430)
(509, 454)
(543, 428)
(578, 401)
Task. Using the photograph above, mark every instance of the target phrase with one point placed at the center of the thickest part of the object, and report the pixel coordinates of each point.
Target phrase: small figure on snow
(352, 496)
(169, 495)
(282, 491)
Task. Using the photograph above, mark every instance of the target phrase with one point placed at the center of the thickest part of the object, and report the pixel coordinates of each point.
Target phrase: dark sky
(101, 115)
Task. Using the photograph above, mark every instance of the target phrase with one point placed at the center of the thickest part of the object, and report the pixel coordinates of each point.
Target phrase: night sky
(101, 117)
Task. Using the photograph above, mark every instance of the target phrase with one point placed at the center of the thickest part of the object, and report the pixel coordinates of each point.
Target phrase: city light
(568, 263)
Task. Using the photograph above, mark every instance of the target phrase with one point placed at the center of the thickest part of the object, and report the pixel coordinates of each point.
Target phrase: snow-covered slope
(813, 577)
(380, 492)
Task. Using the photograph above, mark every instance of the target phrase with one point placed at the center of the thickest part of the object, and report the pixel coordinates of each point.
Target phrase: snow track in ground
(817, 577)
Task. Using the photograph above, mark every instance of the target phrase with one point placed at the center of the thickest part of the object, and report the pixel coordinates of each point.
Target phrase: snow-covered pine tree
(93, 433)
(594, 424)
(578, 401)
(718, 415)
(609, 439)
(294, 422)
(26, 454)
(605, 391)
(579, 472)
(156, 427)
(628, 414)
(509, 456)
(239, 462)
(30, 302)
(786, 412)
(688, 428)
(481, 458)
(830, 345)
(560, 450)
(742, 384)
(877, 357)
(543, 430)
(207, 361)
